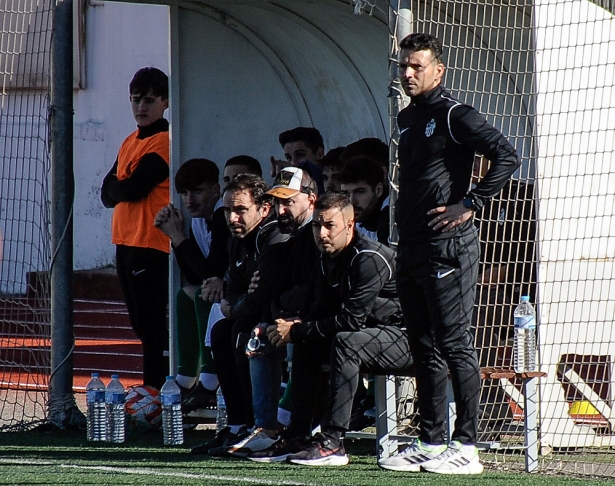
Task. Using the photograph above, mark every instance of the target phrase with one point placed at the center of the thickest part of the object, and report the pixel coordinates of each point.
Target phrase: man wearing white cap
(294, 193)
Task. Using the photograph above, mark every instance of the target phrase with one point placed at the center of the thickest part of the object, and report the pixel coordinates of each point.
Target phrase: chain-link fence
(542, 72)
(25, 43)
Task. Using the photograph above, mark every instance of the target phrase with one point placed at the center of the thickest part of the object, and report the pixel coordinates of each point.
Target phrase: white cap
(287, 183)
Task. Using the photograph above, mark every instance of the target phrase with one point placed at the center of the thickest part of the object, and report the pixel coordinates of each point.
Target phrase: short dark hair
(253, 165)
(421, 41)
(195, 172)
(371, 147)
(361, 169)
(333, 158)
(150, 79)
(254, 184)
(308, 184)
(330, 200)
(310, 136)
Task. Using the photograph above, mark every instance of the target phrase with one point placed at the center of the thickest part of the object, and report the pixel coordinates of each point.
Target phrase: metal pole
(530, 423)
(399, 16)
(400, 25)
(62, 406)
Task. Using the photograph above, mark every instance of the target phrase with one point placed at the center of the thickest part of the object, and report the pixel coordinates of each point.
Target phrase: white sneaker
(255, 442)
(456, 459)
(411, 458)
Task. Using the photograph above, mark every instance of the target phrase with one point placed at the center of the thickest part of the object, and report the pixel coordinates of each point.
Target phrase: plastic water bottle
(525, 336)
(221, 419)
(172, 427)
(115, 396)
(97, 412)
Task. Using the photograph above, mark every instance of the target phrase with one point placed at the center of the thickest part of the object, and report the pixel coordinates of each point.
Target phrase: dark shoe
(362, 422)
(278, 451)
(200, 397)
(223, 449)
(223, 439)
(185, 391)
(359, 419)
(321, 451)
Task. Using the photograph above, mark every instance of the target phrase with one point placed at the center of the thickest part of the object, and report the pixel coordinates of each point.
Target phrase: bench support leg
(530, 412)
(386, 415)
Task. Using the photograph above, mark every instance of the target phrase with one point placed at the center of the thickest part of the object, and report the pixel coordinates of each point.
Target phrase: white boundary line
(154, 472)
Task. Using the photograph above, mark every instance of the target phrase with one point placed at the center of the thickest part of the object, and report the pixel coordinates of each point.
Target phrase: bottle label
(95, 396)
(174, 399)
(525, 322)
(114, 398)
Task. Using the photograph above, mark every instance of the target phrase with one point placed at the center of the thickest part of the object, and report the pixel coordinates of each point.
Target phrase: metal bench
(386, 411)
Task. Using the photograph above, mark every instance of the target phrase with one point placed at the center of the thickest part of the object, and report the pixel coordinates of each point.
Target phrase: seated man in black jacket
(294, 193)
(254, 246)
(200, 255)
(353, 324)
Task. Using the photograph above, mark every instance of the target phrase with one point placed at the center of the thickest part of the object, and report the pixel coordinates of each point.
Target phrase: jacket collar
(429, 97)
(161, 125)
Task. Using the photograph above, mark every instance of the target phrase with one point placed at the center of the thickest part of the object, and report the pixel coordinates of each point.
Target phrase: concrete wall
(239, 81)
(120, 39)
(262, 69)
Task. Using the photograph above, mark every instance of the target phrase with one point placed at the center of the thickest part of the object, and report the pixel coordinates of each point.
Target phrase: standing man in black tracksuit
(438, 252)
(353, 307)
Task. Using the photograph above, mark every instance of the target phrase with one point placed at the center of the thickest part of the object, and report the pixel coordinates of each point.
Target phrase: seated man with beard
(254, 246)
(294, 193)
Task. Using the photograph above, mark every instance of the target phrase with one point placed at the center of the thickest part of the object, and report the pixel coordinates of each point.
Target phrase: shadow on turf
(148, 446)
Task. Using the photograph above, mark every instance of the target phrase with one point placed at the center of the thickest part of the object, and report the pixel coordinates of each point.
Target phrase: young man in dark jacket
(201, 254)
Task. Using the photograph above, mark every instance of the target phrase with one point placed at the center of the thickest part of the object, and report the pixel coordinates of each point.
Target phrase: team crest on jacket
(429, 129)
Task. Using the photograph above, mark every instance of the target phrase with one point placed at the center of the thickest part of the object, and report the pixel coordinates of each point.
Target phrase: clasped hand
(279, 332)
(447, 217)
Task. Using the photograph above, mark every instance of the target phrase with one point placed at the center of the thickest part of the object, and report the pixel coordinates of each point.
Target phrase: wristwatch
(468, 202)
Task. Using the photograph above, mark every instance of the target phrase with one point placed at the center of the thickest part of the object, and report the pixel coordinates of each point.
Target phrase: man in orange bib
(136, 187)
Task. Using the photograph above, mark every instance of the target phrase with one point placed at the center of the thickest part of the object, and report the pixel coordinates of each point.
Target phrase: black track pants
(436, 284)
(144, 278)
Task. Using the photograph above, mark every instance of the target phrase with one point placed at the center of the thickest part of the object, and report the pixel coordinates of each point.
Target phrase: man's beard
(288, 224)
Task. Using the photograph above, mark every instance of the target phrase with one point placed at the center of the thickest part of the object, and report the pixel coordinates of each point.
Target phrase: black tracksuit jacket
(438, 139)
(258, 250)
(196, 267)
(350, 292)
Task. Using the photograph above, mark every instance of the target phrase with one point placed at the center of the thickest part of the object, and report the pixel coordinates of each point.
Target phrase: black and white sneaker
(279, 451)
(321, 451)
(458, 458)
(411, 458)
(256, 441)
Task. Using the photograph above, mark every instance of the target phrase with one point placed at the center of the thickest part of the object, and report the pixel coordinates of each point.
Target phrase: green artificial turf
(65, 457)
